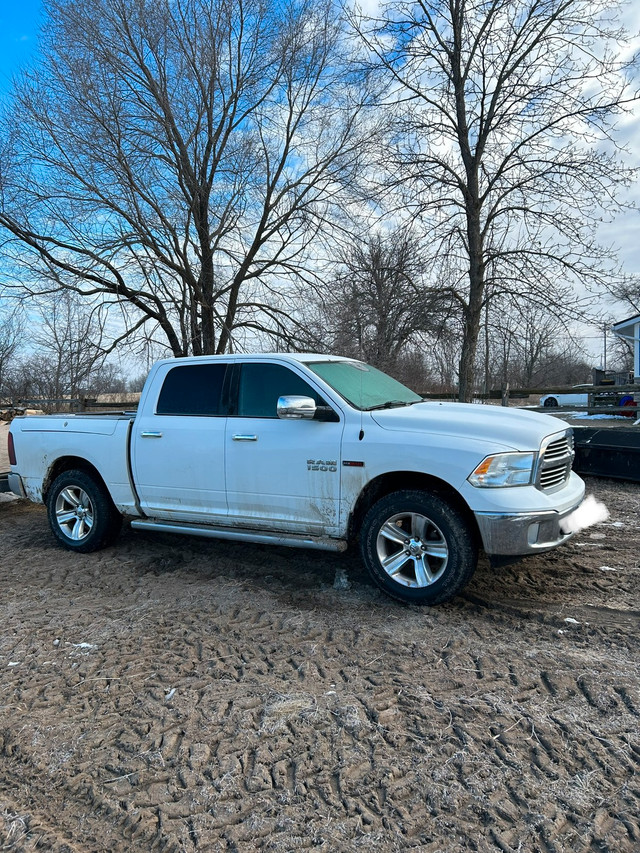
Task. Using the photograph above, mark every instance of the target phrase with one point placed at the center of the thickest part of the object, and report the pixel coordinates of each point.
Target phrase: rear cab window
(193, 390)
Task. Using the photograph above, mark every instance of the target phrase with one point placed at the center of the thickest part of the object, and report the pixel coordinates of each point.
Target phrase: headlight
(504, 469)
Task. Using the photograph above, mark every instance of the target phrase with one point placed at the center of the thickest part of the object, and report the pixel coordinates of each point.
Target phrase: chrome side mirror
(295, 408)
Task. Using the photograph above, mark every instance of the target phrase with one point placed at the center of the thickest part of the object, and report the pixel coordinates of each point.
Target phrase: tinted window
(262, 384)
(192, 389)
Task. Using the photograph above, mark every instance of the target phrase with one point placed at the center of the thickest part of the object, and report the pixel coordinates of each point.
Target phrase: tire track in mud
(208, 762)
(57, 815)
(344, 755)
(189, 705)
(597, 616)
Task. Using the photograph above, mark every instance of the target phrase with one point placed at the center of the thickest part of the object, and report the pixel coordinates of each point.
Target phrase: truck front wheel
(417, 547)
(81, 513)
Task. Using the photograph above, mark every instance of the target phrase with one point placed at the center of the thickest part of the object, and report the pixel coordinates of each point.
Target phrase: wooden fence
(67, 404)
(597, 400)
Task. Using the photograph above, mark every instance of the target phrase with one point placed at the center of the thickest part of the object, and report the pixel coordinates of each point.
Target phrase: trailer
(608, 453)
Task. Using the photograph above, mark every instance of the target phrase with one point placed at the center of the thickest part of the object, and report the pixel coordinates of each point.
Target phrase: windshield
(363, 386)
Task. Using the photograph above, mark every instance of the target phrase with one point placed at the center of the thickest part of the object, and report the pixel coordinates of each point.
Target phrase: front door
(281, 474)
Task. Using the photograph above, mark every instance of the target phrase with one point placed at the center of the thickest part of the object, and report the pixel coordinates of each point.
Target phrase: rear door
(178, 445)
(280, 474)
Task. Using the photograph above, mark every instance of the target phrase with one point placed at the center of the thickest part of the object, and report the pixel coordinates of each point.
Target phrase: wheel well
(397, 481)
(70, 463)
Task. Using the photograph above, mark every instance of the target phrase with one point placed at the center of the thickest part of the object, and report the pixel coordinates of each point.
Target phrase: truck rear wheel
(417, 547)
(81, 513)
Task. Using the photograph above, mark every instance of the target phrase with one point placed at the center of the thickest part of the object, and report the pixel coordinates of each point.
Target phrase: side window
(192, 389)
(262, 384)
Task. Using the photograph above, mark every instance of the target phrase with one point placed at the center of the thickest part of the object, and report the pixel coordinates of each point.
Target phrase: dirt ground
(176, 694)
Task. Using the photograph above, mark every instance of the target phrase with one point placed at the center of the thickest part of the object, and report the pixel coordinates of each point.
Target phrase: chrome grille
(554, 463)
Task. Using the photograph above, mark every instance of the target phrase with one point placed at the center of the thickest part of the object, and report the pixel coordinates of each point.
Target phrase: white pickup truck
(312, 451)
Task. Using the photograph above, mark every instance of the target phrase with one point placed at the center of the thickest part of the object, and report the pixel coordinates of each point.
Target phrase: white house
(630, 330)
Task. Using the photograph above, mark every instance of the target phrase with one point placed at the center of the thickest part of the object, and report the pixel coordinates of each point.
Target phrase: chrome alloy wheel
(74, 513)
(412, 549)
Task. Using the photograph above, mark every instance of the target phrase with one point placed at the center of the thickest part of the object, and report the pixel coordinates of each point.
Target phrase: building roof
(626, 327)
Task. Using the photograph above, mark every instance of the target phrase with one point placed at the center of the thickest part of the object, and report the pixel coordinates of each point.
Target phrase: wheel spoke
(394, 563)
(82, 527)
(418, 526)
(64, 516)
(424, 576)
(393, 533)
(71, 497)
(437, 549)
(78, 529)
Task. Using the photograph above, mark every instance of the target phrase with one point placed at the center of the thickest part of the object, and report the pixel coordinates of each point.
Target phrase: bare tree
(627, 291)
(378, 306)
(35, 378)
(521, 343)
(11, 339)
(564, 366)
(620, 356)
(443, 358)
(69, 344)
(505, 114)
(178, 159)
(65, 356)
(538, 339)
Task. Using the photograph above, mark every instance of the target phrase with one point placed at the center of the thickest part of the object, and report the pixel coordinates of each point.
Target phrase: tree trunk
(468, 356)
(473, 313)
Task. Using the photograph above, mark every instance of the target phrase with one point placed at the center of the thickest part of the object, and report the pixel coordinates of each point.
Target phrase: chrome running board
(258, 537)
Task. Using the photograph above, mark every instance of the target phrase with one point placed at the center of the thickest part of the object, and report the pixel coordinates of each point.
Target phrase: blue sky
(19, 22)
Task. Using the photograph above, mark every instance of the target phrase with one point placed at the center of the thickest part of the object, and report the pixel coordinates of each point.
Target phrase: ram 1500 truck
(313, 451)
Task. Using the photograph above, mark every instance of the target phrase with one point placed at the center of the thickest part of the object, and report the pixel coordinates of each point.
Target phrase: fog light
(534, 532)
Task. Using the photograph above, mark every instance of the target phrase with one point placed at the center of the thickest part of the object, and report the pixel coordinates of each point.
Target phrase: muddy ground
(176, 694)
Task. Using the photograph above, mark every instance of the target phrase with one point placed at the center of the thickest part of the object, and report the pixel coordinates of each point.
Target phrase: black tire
(418, 548)
(81, 513)
(550, 403)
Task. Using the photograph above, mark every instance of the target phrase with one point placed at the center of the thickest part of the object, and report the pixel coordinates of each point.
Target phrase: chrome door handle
(151, 434)
(240, 437)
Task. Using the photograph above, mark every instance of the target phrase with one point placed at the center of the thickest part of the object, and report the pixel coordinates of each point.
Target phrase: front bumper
(522, 533)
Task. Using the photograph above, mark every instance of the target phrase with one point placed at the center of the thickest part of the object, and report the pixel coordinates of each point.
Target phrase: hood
(513, 429)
